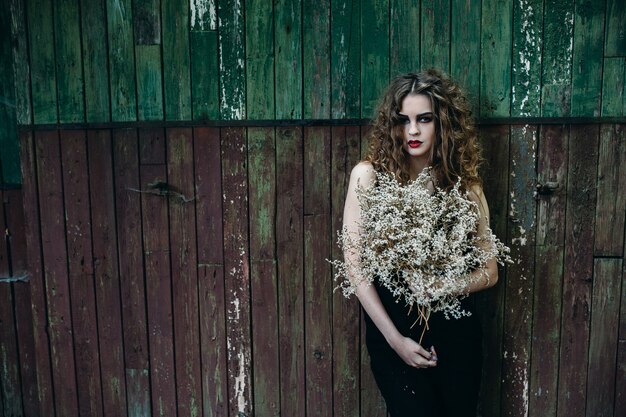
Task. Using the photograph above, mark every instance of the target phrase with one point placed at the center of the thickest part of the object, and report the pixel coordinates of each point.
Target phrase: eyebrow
(417, 115)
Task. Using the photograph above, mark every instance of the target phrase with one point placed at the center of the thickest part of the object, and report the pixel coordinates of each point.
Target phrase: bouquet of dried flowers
(420, 242)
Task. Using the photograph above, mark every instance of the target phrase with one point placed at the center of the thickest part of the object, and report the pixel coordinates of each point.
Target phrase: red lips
(414, 143)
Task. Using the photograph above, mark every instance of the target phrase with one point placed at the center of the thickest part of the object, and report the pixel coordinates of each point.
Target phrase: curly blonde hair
(455, 152)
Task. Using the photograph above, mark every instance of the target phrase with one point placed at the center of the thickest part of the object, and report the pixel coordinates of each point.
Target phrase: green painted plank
(615, 38)
(68, 61)
(465, 48)
(374, 53)
(435, 36)
(176, 72)
(204, 75)
(149, 82)
(259, 59)
(613, 86)
(203, 15)
(556, 76)
(527, 44)
(495, 68)
(345, 59)
(9, 142)
(316, 37)
(147, 22)
(588, 50)
(121, 61)
(42, 61)
(232, 66)
(21, 65)
(288, 58)
(404, 24)
(96, 77)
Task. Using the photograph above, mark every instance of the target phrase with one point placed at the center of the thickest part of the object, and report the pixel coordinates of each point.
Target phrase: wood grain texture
(80, 271)
(345, 327)
(404, 25)
(607, 283)
(435, 34)
(176, 60)
(184, 271)
(374, 53)
(204, 75)
(232, 69)
(613, 86)
(615, 33)
(131, 270)
(20, 60)
(578, 269)
(105, 269)
(259, 59)
(263, 263)
(611, 201)
(237, 270)
(526, 65)
(290, 253)
(288, 58)
(149, 82)
(316, 76)
(465, 48)
(9, 143)
(345, 59)
(208, 181)
(495, 58)
(147, 22)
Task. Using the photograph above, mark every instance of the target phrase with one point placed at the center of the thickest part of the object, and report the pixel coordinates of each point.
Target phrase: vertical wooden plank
(184, 272)
(465, 48)
(317, 71)
(613, 87)
(611, 201)
(204, 60)
(495, 140)
(80, 271)
(546, 331)
(147, 22)
(158, 280)
(374, 53)
(345, 59)
(345, 327)
(131, 271)
(577, 277)
(615, 35)
(121, 60)
(107, 278)
(176, 60)
(317, 278)
(265, 353)
(54, 252)
(495, 58)
(94, 58)
(14, 214)
(21, 64)
(435, 34)
(620, 371)
(290, 254)
(260, 59)
(232, 67)
(42, 61)
(237, 268)
(149, 82)
(288, 58)
(404, 24)
(527, 45)
(556, 71)
(607, 282)
(10, 384)
(44, 401)
(211, 271)
(587, 56)
(69, 66)
(9, 142)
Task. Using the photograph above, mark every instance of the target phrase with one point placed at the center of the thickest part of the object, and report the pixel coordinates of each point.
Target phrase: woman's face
(419, 125)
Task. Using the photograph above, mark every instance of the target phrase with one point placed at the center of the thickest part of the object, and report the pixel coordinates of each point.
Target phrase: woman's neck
(416, 166)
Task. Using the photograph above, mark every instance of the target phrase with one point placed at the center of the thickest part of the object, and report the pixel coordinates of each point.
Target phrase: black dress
(451, 388)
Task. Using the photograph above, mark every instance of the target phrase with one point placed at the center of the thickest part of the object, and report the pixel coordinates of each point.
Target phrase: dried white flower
(420, 242)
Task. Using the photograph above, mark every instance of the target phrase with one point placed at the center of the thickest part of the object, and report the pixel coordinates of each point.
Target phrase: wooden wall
(181, 271)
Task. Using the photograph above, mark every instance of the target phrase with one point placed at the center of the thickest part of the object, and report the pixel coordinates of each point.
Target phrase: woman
(422, 121)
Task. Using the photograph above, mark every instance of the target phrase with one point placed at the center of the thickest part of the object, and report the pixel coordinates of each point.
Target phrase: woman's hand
(413, 354)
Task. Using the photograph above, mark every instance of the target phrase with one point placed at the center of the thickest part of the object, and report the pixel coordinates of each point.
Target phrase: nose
(413, 129)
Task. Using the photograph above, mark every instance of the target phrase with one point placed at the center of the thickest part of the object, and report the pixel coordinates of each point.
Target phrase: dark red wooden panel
(107, 278)
(208, 180)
